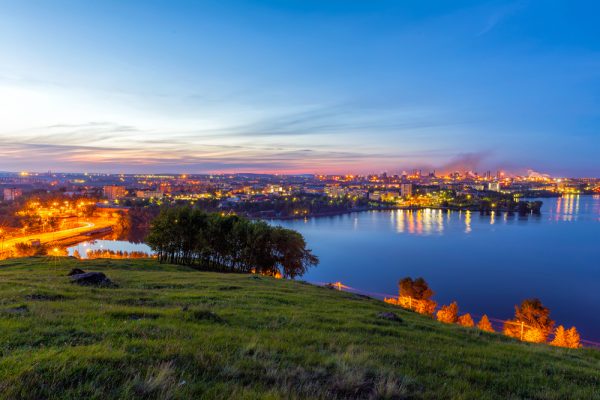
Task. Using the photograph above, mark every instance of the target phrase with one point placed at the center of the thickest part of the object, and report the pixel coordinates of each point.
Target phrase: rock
(91, 279)
(76, 271)
(390, 316)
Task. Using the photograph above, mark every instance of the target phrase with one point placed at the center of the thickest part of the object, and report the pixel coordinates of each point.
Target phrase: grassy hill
(172, 332)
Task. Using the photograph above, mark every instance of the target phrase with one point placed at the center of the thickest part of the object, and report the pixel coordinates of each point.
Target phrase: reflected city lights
(467, 221)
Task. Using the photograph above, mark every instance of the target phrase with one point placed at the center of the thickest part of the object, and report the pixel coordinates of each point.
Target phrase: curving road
(48, 237)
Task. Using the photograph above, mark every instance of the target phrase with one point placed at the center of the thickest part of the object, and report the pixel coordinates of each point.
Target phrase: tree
(485, 325)
(416, 295)
(560, 337)
(76, 254)
(291, 253)
(466, 320)
(532, 322)
(573, 340)
(448, 314)
(183, 235)
(417, 289)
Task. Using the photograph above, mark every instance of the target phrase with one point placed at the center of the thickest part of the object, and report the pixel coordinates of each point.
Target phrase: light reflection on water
(112, 245)
(487, 263)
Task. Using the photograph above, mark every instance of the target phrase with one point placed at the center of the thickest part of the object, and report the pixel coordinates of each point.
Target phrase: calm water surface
(487, 263)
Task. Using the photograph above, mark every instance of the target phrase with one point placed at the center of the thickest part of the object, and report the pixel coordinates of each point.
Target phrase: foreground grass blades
(173, 332)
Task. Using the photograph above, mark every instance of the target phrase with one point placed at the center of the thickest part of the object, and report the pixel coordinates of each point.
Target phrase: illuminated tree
(417, 289)
(485, 325)
(534, 335)
(573, 340)
(448, 314)
(416, 295)
(532, 322)
(426, 307)
(560, 337)
(76, 254)
(466, 320)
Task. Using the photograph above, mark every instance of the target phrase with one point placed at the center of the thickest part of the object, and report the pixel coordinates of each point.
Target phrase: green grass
(172, 332)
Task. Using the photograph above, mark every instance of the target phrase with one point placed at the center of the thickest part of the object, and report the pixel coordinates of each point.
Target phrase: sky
(346, 86)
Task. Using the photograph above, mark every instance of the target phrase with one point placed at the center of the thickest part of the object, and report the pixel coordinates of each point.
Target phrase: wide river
(487, 263)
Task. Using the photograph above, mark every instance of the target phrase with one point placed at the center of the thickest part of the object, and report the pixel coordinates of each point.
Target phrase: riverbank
(173, 332)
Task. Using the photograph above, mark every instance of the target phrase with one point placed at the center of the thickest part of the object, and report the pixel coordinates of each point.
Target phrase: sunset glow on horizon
(299, 87)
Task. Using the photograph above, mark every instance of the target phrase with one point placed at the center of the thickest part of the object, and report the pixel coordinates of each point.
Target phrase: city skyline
(299, 87)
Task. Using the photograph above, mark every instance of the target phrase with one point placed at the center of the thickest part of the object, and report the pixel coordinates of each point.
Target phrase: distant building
(114, 192)
(149, 194)
(336, 191)
(406, 189)
(494, 186)
(274, 189)
(376, 195)
(389, 196)
(11, 194)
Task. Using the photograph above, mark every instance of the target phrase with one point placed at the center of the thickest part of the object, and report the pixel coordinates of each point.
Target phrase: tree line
(532, 322)
(229, 243)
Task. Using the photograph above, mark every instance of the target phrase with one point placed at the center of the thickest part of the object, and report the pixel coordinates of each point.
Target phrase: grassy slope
(173, 332)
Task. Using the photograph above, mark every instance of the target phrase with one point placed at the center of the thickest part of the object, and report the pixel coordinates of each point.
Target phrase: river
(487, 263)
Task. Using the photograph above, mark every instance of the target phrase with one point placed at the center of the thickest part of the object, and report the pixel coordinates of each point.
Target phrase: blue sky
(300, 86)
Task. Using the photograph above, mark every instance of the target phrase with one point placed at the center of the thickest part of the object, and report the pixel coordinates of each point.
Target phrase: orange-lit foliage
(573, 339)
(448, 314)
(534, 335)
(466, 320)
(116, 254)
(560, 337)
(415, 295)
(28, 250)
(417, 289)
(485, 325)
(426, 307)
(532, 322)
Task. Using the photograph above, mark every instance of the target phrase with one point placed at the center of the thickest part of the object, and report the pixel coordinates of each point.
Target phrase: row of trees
(532, 322)
(114, 254)
(182, 235)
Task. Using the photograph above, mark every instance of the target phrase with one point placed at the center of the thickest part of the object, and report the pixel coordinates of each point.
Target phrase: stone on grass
(92, 279)
(390, 316)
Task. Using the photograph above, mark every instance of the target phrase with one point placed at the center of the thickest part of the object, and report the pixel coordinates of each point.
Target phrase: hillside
(173, 332)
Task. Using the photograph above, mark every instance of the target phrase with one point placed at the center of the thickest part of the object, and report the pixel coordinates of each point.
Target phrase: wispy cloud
(500, 14)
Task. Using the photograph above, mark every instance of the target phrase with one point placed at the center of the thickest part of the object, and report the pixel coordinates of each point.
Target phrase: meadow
(172, 332)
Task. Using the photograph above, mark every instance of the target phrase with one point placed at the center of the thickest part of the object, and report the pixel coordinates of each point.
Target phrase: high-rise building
(406, 189)
(11, 194)
(114, 192)
(494, 186)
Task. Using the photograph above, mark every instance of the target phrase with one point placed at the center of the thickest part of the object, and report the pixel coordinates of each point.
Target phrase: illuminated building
(114, 192)
(149, 194)
(494, 186)
(406, 189)
(11, 194)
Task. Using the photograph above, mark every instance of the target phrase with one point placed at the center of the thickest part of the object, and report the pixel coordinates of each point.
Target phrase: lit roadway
(48, 237)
